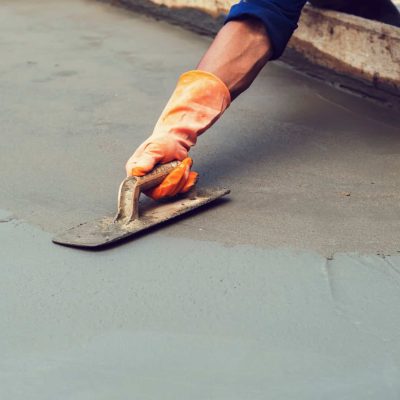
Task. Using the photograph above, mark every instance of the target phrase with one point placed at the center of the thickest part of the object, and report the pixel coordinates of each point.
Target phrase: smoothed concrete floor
(83, 83)
(289, 290)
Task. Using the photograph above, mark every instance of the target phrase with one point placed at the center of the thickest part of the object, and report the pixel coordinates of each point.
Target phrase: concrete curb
(350, 46)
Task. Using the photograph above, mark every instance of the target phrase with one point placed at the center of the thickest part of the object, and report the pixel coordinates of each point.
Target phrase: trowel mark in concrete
(5, 216)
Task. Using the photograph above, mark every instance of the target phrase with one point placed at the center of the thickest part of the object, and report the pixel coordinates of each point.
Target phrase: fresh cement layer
(183, 319)
(235, 302)
(83, 84)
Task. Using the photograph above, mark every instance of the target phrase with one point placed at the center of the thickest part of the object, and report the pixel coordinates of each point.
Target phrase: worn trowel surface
(131, 220)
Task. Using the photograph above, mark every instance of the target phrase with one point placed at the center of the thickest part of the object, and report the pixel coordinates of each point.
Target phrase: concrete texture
(351, 45)
(213, 322)
(278, 293)
(318, 65)
(357, 47)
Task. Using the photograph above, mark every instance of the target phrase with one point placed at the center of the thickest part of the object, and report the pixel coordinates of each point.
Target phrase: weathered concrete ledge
(366, 50)
(351, 45)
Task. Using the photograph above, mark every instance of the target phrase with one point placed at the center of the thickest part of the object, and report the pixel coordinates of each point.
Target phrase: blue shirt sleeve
(280, 18)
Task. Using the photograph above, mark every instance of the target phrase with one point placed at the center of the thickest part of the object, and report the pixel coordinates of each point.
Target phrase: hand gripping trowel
(128, 221)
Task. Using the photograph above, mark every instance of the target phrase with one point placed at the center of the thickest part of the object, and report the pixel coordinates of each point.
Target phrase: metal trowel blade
(106, 230)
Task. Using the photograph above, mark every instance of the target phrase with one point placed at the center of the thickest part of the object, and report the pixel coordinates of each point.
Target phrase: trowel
(133, 217)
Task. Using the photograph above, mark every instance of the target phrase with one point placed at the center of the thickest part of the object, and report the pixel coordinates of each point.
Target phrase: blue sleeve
(280, 18)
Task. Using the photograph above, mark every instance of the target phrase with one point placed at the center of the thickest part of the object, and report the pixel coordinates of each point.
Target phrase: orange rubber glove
(198, 101)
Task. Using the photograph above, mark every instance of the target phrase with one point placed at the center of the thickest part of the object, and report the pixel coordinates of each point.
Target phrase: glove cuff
(197, 102)
(208, 79)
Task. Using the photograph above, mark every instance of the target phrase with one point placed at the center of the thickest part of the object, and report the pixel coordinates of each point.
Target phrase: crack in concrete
(394, 269)
(340, 308)
(329, 277)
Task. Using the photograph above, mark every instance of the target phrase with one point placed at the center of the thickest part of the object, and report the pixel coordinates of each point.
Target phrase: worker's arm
(232, 62)
(238, 53)
(255, 31)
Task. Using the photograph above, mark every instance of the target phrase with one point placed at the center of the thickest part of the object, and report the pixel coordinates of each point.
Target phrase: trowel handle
(131, 187)
(156, 176)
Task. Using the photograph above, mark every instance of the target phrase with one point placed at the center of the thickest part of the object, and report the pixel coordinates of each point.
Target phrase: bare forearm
(238, 53)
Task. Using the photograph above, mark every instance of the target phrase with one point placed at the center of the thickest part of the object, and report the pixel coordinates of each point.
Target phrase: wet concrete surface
(289, 290)
(83, 83)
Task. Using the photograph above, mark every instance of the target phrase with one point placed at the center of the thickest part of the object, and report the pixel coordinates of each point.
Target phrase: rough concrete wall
(213, 7)
(347, 44)
(351, 45)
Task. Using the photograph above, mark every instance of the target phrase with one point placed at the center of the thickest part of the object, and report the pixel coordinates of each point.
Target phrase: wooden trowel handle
(132, 186)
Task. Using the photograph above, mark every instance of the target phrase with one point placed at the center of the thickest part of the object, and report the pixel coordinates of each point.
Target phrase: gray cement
(83, 83)
(235, 302)
(211, 322)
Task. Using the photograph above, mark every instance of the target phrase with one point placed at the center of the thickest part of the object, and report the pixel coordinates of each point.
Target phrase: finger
(143, 164)
(178, 187)
(173, 182)
(187, 162)
(190, 182)
(167, 186)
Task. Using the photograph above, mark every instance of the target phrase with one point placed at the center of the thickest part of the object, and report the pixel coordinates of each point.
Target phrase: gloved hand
(198, 101)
